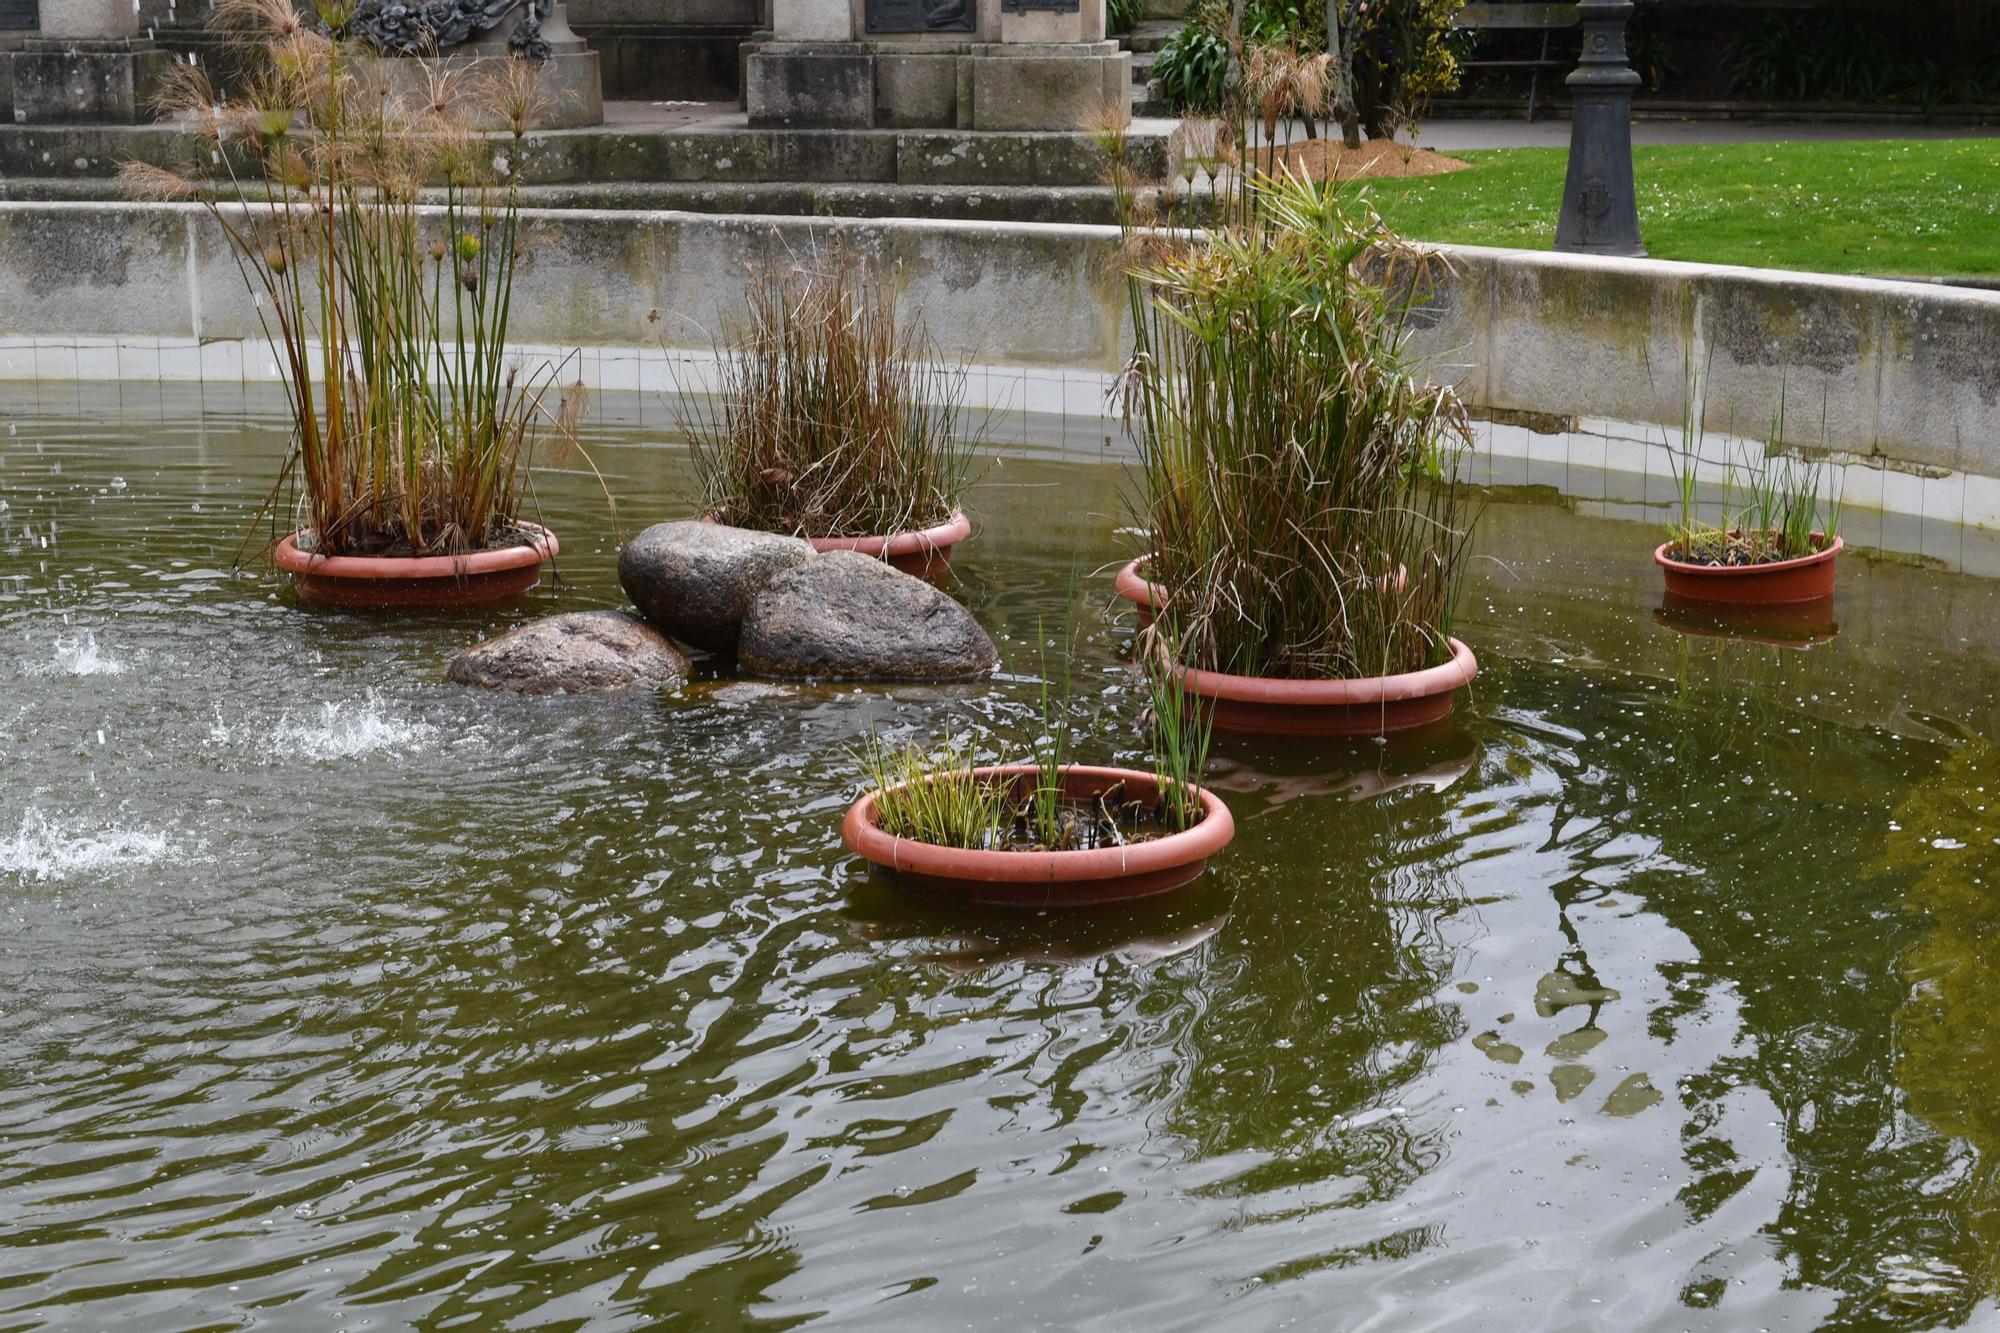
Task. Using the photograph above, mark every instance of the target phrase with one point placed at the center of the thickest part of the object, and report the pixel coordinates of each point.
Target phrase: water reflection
(968, 939)
(1280, 770)
(1786, 625)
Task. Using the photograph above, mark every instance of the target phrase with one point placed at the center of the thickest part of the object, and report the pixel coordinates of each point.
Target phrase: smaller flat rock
(692, 581)
(582, 650)
(844, 616)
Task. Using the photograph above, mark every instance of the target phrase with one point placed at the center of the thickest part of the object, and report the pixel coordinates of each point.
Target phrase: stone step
(1090, 204)
(708, 154)
(1149, 35)
(1148, 101)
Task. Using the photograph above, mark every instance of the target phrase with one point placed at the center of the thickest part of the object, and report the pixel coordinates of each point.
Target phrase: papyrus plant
(1295, 472)
(388, 314)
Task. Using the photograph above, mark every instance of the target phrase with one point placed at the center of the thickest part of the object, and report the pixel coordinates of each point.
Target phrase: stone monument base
(83, 80)
(967, 85)
(569, 84)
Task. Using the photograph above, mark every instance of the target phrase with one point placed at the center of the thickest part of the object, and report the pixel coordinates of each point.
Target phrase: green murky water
(1659, 993)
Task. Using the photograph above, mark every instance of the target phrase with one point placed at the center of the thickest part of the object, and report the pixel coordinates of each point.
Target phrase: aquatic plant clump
(1774, 507)
(945, 798)
(1295, 475)
(835, 417)
(413, 431)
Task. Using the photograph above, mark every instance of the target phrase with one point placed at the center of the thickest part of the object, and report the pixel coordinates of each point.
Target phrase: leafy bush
(1193, 70)
(1404, 52)
(1123, 15)
(1649, 49)
(1845, 56)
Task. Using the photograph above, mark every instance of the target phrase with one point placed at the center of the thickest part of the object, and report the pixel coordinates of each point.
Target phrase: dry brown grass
(836, 417)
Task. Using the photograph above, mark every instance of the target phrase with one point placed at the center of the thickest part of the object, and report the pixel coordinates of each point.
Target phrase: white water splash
(337, 731)
(79, 657)
(48, 849)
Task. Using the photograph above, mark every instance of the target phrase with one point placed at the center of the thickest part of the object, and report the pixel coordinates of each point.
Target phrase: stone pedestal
(1045, 85)
(810, 85)
(87, 63)
(943, 64)
(669, 50)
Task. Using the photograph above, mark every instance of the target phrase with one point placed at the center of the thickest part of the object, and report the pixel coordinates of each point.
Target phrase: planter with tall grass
(1133, 585)
(1050, 832)
(413, 432)
(1778, 539)
(1104, 869)
(834, 419)
(1296, 479)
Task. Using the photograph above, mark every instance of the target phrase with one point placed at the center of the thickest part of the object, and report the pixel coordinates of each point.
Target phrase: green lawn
(1887, 208)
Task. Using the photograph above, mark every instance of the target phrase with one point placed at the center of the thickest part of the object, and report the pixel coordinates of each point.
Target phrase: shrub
(1403, 56)
(1193, 70)
(1844, 56)
(1402, 53)
(1123, 15)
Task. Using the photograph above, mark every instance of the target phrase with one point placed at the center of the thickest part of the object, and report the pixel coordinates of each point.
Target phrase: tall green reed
(934, 795)
(1296, 470)
(1776, 504)
(1180, 737)
(1051, 747)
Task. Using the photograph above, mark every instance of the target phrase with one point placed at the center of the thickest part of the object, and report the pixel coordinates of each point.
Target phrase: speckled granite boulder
(583, 650)
(693, 580)
(844, 616)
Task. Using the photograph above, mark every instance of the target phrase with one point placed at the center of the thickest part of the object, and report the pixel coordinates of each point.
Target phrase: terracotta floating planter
(1134, 588)
(423, 580)
(1048, 879)
(1372, 706)
(926, 553)
(1806, 579)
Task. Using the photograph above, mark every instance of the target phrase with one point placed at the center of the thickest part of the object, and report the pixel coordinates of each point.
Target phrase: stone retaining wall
(1904, 375)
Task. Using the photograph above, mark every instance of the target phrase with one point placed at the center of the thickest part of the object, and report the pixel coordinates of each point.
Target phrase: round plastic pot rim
(936, 537)
(1136, 588)
(1133, 586)
(1365, 690)
(917, 541)
(294, 561)
(1665, 561)
(865, 838)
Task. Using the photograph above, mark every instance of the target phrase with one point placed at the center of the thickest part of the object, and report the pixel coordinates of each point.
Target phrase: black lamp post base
(1600, 207)
(1600, 210)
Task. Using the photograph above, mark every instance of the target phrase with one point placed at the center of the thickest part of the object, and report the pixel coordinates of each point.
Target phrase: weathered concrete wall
(1906, 374)
(1901, 371)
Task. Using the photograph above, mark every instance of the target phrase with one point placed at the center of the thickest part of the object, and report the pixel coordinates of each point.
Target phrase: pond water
(1658, 992)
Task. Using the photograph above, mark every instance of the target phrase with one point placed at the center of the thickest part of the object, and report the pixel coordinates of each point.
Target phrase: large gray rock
(583, 650)
(845, 616)
(693, 580)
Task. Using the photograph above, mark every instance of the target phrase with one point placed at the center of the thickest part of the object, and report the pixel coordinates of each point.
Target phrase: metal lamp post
(1600, 208)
